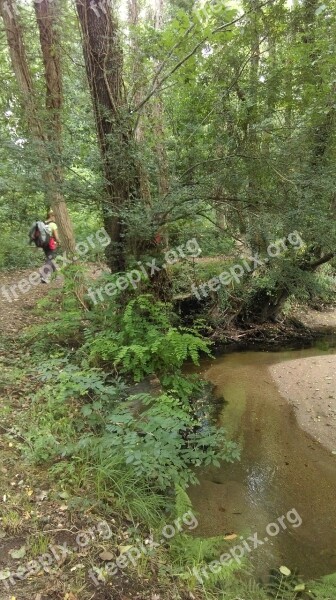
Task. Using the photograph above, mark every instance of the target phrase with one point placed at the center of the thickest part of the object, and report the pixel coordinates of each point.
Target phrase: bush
(88, 411)
(164, 444)
(142, 341)
(16, 253)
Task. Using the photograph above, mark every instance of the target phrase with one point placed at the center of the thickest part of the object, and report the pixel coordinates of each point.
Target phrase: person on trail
(49, 266)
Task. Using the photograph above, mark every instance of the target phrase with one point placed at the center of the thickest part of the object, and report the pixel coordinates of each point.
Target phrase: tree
(158, 117)
(137, 84)
(104, 64)
(47, 140)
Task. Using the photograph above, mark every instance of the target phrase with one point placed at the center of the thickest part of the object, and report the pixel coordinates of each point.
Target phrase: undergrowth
(133, 449)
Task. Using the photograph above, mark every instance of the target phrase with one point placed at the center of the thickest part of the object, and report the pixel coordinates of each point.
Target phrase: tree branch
(157, 84)
(321, 261)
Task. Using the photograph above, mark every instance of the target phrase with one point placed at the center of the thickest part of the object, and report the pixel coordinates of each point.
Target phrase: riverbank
(309, 385)
(301, 326)
(281, 467)
(304, 325)
(46, 505)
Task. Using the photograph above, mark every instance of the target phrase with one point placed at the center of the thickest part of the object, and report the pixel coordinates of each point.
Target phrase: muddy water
(281, 468)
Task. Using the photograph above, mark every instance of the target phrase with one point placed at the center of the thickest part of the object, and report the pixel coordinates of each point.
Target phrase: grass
(12, 521)
(38, 544)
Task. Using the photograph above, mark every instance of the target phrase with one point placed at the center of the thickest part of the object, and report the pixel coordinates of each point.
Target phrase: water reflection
(281, 468)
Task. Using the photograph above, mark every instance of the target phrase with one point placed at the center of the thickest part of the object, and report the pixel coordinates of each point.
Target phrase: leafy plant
(142, 341)
(324, 589)
(164, 444)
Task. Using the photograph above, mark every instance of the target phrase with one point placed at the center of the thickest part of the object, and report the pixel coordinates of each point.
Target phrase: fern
(142, 341)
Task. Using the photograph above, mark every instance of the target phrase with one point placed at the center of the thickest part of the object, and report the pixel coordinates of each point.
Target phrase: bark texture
(158, 119)
(138, 77)
(104, 63)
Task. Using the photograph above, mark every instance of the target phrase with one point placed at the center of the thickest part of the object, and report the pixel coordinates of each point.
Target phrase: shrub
(15, 252)
(164, 444)
(142, 341)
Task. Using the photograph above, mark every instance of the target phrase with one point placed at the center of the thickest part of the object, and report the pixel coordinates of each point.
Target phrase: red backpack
(52, 244)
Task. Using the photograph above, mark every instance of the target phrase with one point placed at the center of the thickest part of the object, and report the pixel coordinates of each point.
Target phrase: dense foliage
(201, 137)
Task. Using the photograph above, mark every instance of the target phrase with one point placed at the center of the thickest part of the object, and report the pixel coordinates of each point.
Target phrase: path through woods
(35, 513)
(19, 313)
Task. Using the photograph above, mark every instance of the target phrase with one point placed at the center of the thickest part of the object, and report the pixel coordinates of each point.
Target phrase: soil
(17, 313)
(322, 321)
(18, 310)
(303, 325)
(309, 385)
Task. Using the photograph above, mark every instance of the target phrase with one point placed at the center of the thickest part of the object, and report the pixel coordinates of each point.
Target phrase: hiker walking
(45, 236)
(50, 250)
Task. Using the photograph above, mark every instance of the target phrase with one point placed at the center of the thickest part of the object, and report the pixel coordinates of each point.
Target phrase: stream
(281, 468)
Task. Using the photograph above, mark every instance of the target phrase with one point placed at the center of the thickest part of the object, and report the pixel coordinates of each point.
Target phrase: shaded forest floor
(323, 321)
(35, 511)
(16, 314)
(304, 325)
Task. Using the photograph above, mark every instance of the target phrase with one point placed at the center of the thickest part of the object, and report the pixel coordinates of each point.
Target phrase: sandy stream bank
(309, 385)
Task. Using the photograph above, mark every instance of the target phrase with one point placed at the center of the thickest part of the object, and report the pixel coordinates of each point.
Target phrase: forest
(167, 299)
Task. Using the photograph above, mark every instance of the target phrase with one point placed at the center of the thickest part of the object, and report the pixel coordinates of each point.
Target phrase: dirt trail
(18, 312)
(17, 309)
(324, 321)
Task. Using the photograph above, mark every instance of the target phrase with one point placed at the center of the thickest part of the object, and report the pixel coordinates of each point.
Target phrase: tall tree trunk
(104, 63)
(138, 94)
(30, 104)
(158, 119)
(47, 12)
(18, 56)
(252, 140)
(250, 225)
